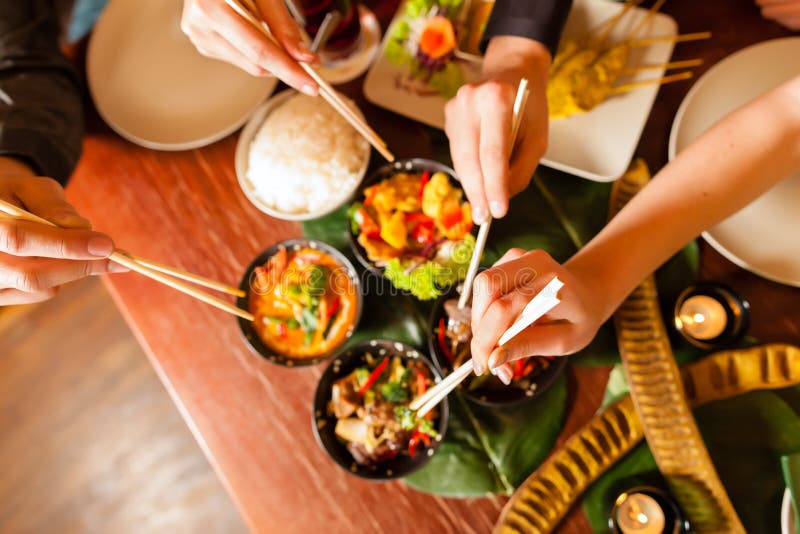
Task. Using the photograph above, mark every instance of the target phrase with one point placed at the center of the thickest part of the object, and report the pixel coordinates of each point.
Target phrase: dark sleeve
(540, 20)
(41, 120)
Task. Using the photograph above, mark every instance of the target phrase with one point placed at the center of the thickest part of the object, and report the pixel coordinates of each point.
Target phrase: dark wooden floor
(89, 439)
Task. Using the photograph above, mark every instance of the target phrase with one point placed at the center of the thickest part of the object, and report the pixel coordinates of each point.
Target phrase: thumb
(45, 197)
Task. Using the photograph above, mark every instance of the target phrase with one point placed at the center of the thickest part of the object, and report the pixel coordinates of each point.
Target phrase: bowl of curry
(306, 299)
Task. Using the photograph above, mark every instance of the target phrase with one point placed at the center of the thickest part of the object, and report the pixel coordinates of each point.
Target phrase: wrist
(510, 58)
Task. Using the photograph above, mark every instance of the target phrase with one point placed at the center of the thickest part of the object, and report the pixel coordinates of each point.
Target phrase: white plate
(762, 237)
(242, 159)
(598, 145)
(787, 514)
(153, 88)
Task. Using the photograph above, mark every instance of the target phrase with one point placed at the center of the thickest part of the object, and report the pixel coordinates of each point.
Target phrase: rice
(305, 157)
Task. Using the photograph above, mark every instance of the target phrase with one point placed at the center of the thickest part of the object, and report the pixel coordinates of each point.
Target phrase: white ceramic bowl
(243, 156)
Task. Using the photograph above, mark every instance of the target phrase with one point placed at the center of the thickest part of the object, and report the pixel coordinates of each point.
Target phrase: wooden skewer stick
(126, 260)
(326, 91)
(674, 39)
(657, 81)
(650, 14)
(613, 21)
(666, 66)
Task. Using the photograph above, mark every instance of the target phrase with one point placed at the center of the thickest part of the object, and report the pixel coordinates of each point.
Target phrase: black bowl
(499, 395)
(387, 171)
(254, 341)
(324, 424)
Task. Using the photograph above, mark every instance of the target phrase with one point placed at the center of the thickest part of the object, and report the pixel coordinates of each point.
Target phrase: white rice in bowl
(305, 158)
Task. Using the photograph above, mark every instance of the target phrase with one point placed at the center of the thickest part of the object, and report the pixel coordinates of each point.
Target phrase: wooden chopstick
(125, 259)
(656, 81)
(189, 277)
(326, 91)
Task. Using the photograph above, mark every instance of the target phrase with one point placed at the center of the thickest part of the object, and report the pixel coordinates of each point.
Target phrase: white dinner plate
(598, 145)
(763, 237)
(153, 88)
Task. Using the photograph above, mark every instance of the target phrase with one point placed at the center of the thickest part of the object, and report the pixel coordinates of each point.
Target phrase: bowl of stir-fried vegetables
(411, 223)
(361, 415)
(306, 299)
(449, 339)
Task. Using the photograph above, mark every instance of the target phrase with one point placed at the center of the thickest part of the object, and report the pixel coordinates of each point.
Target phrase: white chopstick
(542, 303)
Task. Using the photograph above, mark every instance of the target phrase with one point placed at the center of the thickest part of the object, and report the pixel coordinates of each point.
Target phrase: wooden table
(253, 419)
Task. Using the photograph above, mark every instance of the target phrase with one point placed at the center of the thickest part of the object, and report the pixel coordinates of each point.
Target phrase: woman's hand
(500, 294)
(220, 33)
(786, 12)
(35, 259)
(478, 123)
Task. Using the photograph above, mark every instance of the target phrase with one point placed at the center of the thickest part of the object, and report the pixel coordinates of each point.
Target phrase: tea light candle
(710, 315)
(638, 513)
(702, 317)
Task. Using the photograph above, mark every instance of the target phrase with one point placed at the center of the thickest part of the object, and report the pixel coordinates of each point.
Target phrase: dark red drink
(345, 38)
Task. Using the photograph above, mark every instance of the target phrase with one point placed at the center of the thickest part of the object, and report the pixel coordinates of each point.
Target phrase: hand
(500, 294)
(35, 259)
(786, 12)
(478, 123)
(220, 33)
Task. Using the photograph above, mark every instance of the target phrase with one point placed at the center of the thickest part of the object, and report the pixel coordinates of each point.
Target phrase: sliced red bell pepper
(422, 383)
(283, 329)
(452, 217)
(519, 367)
(333, 307)
(426, 177)
(416, 438)
(423, 233)
(369, 227)
(373, 377)
(529, 367)
(443, 342)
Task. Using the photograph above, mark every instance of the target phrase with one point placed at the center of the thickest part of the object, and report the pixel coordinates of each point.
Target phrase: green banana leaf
(492, 451)
(745, 437)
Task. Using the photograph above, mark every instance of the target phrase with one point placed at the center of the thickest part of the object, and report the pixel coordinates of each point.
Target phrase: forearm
(40, 102)
(726, 168)
(537, 20)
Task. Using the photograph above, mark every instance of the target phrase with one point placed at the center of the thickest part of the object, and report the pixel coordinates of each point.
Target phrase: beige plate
(762, 237)
(153, 88)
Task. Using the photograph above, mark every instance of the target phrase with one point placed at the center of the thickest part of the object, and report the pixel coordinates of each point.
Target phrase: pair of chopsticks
(168, 276)
(520, 100)
(249, 11)
(543, 302)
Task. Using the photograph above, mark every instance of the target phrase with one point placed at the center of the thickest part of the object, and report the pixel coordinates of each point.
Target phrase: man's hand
(478, 123)
(35, 259)
(220, 33)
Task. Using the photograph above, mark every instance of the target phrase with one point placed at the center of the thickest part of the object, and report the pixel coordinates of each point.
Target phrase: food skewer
(685, 64)
(671, 39)
(247, 11)
(659, 81)
(159, 275)
(542, 303)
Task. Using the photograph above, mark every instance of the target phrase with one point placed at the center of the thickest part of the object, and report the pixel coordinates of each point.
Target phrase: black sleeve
(540, 20)
(41, 121)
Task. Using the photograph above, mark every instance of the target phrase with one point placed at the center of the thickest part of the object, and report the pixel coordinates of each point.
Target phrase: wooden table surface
(253, 419)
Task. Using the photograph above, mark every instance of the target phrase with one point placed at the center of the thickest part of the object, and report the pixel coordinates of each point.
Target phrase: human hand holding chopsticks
(218, 32)
(35, 259)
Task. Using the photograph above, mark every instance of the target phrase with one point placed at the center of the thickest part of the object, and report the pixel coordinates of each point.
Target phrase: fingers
(9, 297)
(45, 197)
(500, 315)
(219, 32)
(495, 125)
(23, 238)
(37, 276)
(556, 339)
(286, 30)
(462, 126)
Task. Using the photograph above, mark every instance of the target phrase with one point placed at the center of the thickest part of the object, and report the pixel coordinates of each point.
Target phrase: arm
(522, 36)
(727, 167)
(40, 133)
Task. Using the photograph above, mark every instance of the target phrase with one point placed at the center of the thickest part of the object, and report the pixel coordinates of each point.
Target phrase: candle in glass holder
(702, 317)
(637, 513)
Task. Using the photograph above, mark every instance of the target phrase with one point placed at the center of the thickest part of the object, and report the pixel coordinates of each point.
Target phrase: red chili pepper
(369, 194)
(426, 177)
(412, 445)
(422, 383)
(333, 308)
(443, 343)
(415, 440)
(529, 367)
(373, 377)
